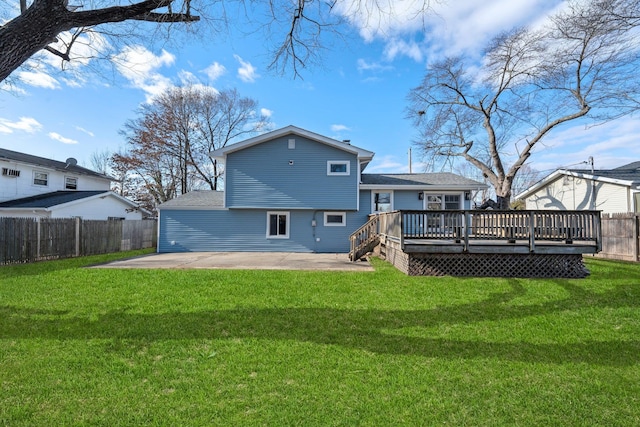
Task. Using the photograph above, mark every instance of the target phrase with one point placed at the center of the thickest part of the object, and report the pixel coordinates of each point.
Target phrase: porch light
(420, 195)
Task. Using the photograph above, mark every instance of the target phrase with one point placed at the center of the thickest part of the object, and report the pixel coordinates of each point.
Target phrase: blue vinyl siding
(407, 200)
(245, 230)
(272, 176)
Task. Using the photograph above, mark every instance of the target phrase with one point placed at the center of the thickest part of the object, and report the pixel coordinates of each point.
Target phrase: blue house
(291, 190)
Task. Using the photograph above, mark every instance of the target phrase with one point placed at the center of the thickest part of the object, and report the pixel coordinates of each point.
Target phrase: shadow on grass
(8, 271)
(372, 330)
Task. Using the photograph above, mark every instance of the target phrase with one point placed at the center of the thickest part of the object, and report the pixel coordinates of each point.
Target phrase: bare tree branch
(581, 67)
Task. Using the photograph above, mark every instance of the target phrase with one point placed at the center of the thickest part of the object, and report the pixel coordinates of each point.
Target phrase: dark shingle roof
(48, 163)
(434, 179)
(48, 200)
(198, 198)
(629, 172)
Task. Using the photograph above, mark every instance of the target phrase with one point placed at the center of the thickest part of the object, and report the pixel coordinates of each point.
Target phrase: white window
(335, 219)
(382, 201)
(338, 167)
(40, 178)
(277, 225)
(443, 202)
(70, 183)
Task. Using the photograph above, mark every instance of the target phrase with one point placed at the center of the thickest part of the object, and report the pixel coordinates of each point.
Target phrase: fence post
(636, 238)
(77, 236)
(38, 238)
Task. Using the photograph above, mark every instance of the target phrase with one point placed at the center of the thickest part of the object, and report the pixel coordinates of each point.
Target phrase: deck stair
(365, 238)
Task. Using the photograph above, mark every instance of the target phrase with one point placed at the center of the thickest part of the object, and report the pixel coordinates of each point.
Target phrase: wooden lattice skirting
(487, 265)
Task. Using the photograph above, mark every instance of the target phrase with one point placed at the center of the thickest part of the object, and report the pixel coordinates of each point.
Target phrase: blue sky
(357, 93)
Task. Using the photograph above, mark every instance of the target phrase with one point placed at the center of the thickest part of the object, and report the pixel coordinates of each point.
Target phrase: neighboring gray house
(607, 190)
(296, 191)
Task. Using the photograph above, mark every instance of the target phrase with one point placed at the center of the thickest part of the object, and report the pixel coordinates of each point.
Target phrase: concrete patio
(243, 261)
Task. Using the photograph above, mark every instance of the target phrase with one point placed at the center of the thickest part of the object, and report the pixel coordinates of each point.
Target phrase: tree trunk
(19, 41)
(504, 201)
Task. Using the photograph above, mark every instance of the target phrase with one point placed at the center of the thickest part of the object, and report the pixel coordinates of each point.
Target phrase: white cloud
(247, 72)
(138, 65)
(611, 145)
(264, 112)
(387, 164)
(57, 137)
(451, 28)
(398, 47)
(363, 65)
(38, 79)
(83, 130)
(375, 19)
(339, 128)
(215, 71)
(465, 26)
(25, 124)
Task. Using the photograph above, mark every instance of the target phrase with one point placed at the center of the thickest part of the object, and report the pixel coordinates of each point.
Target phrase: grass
(81, 346)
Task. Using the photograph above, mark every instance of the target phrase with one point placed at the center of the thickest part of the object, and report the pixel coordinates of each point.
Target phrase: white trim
(334, 224)
(443, 202)
(330, 163)
(33, 179)
(373, 199)
(288, 224)
(424, 187)
(66, 177)
(222, 152)
(557, 174)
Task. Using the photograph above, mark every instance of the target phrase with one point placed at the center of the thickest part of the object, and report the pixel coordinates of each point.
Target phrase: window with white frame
(382, 201)
(335, 219)
(277, 225)
(40, 178)
(70, 183)
(338, 167)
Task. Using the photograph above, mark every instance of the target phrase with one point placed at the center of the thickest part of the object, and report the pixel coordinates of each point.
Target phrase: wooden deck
(536, 239)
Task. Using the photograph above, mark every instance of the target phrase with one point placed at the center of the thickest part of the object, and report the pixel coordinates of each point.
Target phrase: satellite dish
(71, 161)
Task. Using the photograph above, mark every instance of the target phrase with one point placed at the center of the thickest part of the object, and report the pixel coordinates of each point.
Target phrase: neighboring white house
(607, 190)
(32, 186)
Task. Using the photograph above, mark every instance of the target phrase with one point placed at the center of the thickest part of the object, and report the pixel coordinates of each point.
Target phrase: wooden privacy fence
(35, 239)
(620, 236)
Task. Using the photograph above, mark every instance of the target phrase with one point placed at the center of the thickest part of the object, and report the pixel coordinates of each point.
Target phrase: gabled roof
(196, 199)
(442, 180)
(362, 154)
(15, 156)
(59, 198)
(627, 175)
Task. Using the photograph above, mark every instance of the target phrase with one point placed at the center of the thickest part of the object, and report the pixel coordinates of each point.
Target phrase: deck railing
(510, 226)
(365, 238)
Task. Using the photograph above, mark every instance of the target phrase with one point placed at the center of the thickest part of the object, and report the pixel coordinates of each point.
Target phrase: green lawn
(83, 346)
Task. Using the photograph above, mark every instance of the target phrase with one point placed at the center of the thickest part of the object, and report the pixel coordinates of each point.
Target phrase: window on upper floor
(70, 183)
(40, 178)
(277, 225)
(382, 201)
(335, 219)
(338, 167)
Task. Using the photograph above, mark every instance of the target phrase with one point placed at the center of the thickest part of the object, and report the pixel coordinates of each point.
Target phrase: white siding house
(32, 186)
(610, 191)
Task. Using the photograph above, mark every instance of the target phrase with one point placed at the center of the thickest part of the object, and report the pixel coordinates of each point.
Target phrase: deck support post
(532, 229)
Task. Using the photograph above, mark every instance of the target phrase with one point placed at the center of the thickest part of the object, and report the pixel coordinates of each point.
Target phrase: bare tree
(99, 161)
(580, 66)
(294, 30)
(168, 145)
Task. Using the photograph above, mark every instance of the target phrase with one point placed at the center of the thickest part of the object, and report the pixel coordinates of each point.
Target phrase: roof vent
(70, 162)
(14, 173)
